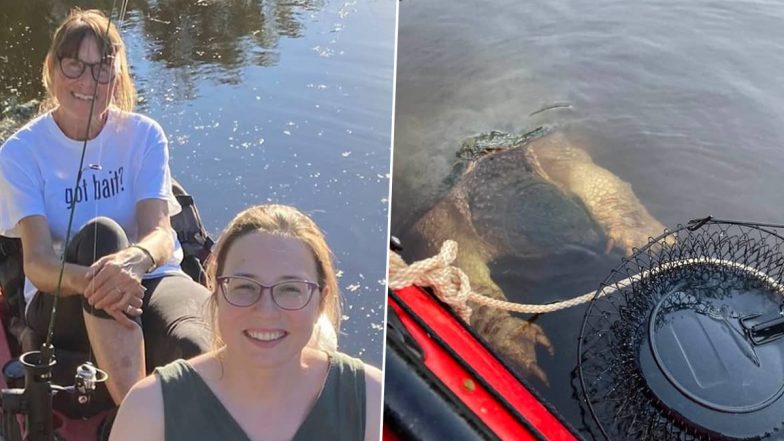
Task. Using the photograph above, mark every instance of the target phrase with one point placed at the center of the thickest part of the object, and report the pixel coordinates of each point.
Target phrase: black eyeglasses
(102, 72)
(243, 292)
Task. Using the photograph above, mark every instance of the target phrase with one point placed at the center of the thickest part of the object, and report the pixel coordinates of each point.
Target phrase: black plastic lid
(703, 366)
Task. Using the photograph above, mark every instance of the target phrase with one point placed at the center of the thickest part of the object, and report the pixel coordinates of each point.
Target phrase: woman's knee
(192, 339)
(98, 237)
(184, 339)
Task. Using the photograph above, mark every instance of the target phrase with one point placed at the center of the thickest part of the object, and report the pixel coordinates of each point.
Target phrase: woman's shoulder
(369, 376)
(148, 388)
(349, 365)
(372, 375)
(205, 366)
(171, 371)
(144, 402)
(182, 375)
(136, 120)
(350, 362)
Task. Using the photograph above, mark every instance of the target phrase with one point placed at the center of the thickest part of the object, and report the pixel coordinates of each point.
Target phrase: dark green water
(683, 100)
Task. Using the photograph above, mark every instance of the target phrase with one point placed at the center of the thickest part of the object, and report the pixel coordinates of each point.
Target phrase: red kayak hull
(473, 373)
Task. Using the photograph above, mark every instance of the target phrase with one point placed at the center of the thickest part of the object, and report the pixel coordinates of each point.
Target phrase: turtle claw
(628, 238)
(543, 340)
(516, 340)
(537, 372)
(610, 246)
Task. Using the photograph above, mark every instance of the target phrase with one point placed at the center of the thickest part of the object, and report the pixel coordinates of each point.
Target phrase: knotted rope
(452, 286)
(450, 283)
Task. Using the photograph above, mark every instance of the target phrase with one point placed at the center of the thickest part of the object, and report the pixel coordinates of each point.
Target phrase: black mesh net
(683, 339)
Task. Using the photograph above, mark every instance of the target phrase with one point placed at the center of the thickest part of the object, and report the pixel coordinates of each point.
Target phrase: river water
(262, 101)
(683, 100)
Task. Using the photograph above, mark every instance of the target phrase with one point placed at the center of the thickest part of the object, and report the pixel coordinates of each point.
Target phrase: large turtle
(527, 196)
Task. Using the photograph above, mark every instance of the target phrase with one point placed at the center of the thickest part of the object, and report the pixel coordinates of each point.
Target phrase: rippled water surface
(281, 101)
(683, 100)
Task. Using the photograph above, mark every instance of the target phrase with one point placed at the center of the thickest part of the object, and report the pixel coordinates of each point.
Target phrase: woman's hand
(115, 284)
(114, 281)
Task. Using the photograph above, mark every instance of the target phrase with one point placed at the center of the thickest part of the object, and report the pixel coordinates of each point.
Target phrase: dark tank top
(192, 412)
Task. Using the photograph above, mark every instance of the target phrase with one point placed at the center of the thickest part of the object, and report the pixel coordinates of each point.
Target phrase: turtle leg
(615, 207)
(514, 338)
(610, 200)
(511, 337)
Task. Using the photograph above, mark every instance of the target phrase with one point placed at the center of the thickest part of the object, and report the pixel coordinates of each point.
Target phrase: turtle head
(483, 144)
(489, 142)
(476, 147)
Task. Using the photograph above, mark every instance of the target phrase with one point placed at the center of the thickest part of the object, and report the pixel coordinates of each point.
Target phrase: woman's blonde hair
(67, 39)
(289, 222)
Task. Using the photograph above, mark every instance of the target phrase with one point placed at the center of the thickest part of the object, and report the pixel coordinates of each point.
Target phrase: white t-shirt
(126, 163)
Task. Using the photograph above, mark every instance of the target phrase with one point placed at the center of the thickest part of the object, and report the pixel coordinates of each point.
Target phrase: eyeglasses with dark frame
(102, 71)
(243, 292)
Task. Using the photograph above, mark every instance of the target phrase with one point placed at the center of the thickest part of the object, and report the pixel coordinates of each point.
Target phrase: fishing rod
(35, 399)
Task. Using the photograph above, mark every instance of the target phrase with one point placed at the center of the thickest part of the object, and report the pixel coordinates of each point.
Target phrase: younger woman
(272, 278)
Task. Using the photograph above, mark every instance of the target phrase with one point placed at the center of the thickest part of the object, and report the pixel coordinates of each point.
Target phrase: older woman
(272, 278)
(123, 260)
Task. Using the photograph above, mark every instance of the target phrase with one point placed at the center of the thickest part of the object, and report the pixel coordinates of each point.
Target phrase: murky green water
(683, 100)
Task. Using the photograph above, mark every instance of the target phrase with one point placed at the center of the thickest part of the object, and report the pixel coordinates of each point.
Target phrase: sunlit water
(285, 102)
(682, 100)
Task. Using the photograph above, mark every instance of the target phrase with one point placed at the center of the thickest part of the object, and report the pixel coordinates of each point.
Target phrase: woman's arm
(155, 236)
(155, 233)
(113, 270)
(373, 380)
(41, 264)
(141, 413)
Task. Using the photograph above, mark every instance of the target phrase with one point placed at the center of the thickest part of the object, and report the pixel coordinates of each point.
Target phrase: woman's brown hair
(286, 221)
(68, 37)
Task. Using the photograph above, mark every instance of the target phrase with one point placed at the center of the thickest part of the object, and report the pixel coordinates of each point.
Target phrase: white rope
(451, 284)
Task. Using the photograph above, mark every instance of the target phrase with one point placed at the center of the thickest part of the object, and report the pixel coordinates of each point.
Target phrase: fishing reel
(33, 371)
(86, 380)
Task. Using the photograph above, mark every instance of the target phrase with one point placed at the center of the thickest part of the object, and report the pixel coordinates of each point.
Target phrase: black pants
(173, 308)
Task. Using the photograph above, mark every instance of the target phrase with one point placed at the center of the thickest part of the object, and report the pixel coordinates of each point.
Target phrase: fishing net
(683, 341)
